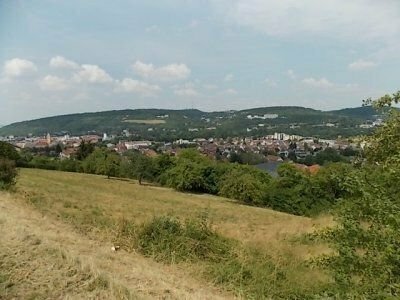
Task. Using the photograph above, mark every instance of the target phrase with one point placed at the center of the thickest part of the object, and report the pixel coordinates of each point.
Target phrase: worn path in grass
(41, 257)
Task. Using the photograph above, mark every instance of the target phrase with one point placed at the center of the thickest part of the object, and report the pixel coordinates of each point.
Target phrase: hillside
(166, 125)
(363, 112)
(68, 220)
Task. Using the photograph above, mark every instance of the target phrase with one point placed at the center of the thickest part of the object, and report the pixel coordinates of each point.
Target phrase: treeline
(293, 191)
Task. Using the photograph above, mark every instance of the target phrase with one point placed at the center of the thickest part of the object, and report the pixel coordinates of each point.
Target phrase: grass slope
(71, 194)
(93, 205)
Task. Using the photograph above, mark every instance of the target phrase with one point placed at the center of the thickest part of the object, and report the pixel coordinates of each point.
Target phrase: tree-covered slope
(170, 124)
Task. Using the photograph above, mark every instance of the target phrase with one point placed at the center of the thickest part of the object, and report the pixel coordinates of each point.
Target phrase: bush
(365, 262)
(191, 176)
(69, 165)
(244, 184)
(8, 151)
(291, 191)
(102, 162)
(170, 240)
(8, 173)
(248, 271)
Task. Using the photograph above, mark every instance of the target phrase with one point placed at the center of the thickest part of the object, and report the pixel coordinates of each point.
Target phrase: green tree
(328, 155)
(58, 149)
(142, 167)
(187, 175)
(366, 261)
(102, 162)
(193, 172)
(162, 163)
(111, 164)
(246, 184)
(69, 165)
(290, 191)
(8, 151)
(84, 150)
(8, 173)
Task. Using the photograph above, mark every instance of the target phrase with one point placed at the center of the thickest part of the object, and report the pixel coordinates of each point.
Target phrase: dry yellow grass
(76, 213)
(70, 193)
(42, 258)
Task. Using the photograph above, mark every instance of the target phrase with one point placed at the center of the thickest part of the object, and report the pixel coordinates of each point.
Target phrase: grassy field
(93, 206)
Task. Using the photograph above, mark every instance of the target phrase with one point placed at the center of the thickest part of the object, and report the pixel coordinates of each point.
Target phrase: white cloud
(194, 23)
(17, 67)
(361, 64)
(153, 28)
(53, 83)
(291, 74)
(230, 92)
(318, 83)
(62, 63)
(270, 82)
(229, 77)
(169, 72)
(186, 92)
(136, 86)
(356, 19)
(210, 86)
(92, 74)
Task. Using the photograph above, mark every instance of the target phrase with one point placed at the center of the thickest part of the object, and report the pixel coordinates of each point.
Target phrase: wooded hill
(165, 124)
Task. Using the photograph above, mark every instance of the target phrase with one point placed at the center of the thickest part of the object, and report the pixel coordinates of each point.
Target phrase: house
(93, 139)
(149, 152)
(311, 169)
(121, 148)
(68, 153)
(137, 145)
(209, 149)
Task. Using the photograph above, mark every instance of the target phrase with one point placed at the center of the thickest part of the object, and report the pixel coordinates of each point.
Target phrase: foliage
(366, 262)
(8, 173)
(191, 172)
(290, 191)
(170, 240)
(69, 165)
(142, 167)
(245, 184)
(385, 142)
(162, 163)
(43, 162)
(328, 155)
(247, 271)
(84, 150)
(102, 162)
(8, 151)
(349, 152)
(299, 192)
(179, 121)
(294, 191)
(247, 158)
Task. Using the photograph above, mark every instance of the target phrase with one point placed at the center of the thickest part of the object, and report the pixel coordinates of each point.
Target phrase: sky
(60, 57)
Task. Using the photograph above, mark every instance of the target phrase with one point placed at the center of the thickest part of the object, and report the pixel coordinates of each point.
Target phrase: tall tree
(8, 151)
(143, 167)
(366, 261)
(84, 150)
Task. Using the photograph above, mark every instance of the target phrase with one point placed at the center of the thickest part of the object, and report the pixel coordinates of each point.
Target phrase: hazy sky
(59, 57)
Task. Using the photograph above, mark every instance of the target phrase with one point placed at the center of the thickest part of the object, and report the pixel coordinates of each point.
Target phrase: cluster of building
(277, 144)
